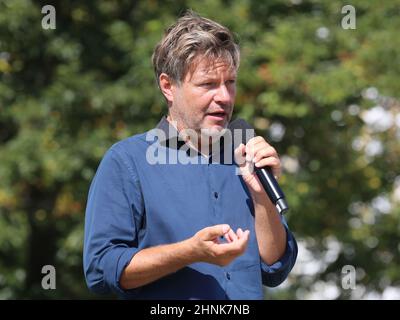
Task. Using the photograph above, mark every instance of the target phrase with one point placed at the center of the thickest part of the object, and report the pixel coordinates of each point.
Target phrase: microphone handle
(272, 188)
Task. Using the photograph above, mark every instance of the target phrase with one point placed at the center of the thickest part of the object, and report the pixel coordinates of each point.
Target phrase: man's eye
(207, 84)
(231, 81)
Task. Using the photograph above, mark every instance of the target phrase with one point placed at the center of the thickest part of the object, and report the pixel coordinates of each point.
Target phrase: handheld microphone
(264, 174)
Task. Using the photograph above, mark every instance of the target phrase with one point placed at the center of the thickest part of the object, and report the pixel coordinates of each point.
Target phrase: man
(193, 230)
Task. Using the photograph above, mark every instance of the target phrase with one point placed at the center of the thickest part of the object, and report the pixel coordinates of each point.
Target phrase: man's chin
(215, 125)
(213, 131)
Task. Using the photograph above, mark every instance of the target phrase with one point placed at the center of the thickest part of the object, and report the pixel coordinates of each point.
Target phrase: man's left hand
(257, 152)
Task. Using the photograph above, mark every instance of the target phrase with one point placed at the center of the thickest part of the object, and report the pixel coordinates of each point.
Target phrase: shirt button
(228, 276)
(216, 195)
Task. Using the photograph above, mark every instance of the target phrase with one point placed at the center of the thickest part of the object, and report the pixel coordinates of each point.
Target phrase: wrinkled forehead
(204, 67)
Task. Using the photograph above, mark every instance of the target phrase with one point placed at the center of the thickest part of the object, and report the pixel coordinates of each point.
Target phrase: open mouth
(217, 115)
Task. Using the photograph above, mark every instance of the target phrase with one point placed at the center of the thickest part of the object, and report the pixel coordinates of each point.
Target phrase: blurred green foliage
(311, 87)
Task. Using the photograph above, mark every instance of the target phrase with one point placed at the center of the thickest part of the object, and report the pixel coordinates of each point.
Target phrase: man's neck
(194, 142)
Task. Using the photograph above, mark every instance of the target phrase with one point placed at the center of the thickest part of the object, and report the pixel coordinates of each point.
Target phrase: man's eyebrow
(208, 77)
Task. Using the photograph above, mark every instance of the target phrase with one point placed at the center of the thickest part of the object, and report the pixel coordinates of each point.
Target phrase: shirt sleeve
(273, 275)
(114, 214)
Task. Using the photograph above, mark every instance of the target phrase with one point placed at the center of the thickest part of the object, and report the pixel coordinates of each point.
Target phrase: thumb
(240, 157)
(213, 232)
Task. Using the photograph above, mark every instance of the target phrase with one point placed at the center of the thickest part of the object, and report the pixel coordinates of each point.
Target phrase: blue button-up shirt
(136, 202)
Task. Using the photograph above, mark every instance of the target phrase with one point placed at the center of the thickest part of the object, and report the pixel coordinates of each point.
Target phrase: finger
(227, 238)
(232, 235)
(240, 149)
(254, 150)
(255, 143)
(210, 233)
(255, 140)
(239, 154)
(262, 144)
(250, 151)
(233, 248)
(274, 165)
(225, 248)
(244, 239)
(246, 236)
(272, 162)
(264, 152)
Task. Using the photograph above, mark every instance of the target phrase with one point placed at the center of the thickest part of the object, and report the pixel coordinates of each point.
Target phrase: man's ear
(166, 86)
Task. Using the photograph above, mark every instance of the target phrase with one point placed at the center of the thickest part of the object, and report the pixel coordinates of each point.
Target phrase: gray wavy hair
(191, 37)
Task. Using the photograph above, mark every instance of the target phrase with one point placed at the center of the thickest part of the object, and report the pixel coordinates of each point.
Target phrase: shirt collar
(170, 134)
(172, 139)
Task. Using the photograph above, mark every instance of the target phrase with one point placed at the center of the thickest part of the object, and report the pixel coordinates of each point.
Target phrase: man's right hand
(208, 248)
(152, 263)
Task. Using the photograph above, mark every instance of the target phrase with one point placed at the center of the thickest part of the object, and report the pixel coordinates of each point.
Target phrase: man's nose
(222, 95)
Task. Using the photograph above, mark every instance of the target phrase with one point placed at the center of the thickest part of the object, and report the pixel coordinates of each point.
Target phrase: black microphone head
(241, 131)
(239, 124)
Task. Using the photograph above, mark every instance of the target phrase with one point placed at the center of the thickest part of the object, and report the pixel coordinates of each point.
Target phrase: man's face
(205, 99)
